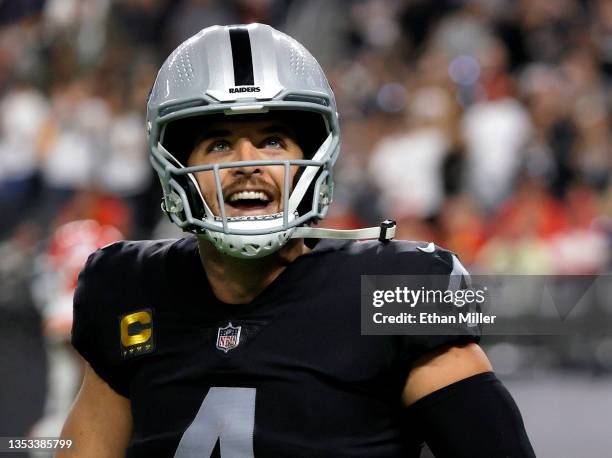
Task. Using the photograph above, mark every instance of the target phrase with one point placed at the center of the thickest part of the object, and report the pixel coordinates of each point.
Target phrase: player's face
(247, 190)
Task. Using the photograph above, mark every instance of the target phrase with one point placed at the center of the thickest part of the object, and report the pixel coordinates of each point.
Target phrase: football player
(241, 340)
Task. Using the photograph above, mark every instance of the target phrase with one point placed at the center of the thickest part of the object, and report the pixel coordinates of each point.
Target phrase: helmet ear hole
(307, 202)
(195, 201)
(193, 196)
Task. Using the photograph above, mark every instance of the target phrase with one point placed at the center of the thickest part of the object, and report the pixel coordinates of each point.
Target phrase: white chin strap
(385, 232)
(251, 246)
(257, 246)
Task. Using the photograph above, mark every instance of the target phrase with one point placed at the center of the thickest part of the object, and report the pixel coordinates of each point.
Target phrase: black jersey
(288, 375)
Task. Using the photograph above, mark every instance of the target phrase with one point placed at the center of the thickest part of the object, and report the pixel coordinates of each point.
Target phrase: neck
(240, 281)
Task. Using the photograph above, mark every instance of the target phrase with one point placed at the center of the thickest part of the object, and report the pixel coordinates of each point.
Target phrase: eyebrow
(274, 128)
(281, 129)
(212, 133)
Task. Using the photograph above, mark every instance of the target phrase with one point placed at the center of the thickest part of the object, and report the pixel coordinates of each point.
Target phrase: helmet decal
(241, 56)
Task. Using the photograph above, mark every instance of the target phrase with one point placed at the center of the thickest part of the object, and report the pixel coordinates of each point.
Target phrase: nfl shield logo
(228, 337)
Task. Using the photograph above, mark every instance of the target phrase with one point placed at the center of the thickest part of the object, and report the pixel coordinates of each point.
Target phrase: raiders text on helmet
(235, 90)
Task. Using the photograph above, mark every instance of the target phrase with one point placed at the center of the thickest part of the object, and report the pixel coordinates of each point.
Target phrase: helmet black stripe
(241, 56)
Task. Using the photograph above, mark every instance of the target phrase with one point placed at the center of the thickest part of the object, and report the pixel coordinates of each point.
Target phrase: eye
(273, 143)
(218, 146)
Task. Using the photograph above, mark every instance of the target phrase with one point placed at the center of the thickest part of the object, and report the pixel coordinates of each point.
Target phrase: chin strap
(384, 233)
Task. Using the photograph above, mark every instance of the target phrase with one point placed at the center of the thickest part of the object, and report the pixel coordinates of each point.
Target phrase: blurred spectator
(407, 167)
(549, 149)
(495, 132)
(581, 249)
(522, 229)
(74, 130)
(601, 30)
(141, 22)
(463, 228)
(329, 21)
(103, 208)
(12, 11)
(22, 114)
(592, 152)
(548, 27)
(123, 167)
(464, 32)
(58, 268)
(191, 16)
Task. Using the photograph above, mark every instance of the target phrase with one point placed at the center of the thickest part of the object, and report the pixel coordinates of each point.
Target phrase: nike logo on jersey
(430, 248)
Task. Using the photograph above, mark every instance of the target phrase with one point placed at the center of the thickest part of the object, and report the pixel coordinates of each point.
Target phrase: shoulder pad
(398, 257)
(117, 279)
(124, 262)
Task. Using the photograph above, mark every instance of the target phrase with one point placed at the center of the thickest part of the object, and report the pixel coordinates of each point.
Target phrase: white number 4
(226, 415)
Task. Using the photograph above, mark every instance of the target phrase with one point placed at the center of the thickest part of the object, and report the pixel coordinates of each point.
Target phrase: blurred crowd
(482, 125)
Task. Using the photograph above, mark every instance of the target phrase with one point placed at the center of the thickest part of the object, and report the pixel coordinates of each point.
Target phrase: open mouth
(249, 203)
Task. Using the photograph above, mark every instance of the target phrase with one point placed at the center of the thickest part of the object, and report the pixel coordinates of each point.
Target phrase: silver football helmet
(245, 70)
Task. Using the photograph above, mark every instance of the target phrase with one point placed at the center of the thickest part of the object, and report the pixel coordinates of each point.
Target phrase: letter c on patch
(144, 324)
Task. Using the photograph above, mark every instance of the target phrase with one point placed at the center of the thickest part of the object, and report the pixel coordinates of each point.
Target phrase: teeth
(248, 195)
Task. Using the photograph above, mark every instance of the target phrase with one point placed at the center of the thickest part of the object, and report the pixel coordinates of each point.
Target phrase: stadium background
(481, 125)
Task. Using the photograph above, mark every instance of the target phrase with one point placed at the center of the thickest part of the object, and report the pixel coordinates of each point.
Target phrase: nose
(246, 151)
